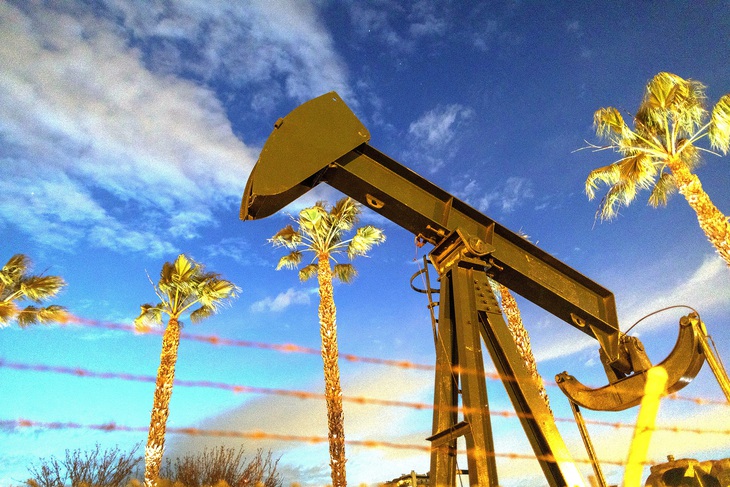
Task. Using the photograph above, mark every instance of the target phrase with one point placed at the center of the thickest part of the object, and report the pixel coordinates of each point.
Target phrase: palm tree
(184, 287)
(661, 151)
(321, 232)
(17, 285)
(521, 337)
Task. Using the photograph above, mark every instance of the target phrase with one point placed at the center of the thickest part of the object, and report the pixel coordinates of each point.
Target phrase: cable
(661, 311)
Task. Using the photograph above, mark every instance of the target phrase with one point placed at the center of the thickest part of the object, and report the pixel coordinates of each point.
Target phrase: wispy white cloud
(495, 30)
(277, 49)
(399, 26)
(433, 135)
(435, 127)
(236, 249)
(706, 289)
(426, 19)
(505, 197)
(282, 301)
(95, 130)
(510, 196)
(575, 29)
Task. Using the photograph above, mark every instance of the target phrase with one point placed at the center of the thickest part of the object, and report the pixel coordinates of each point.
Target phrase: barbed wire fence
(214, 340)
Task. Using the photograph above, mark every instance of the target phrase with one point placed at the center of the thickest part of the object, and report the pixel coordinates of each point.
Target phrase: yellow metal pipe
(713, 360)
(656, 381)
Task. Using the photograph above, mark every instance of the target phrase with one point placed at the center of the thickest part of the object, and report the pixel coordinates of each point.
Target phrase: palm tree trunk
(522, 339)
(333, 391)
(712, 221)
(161, 403)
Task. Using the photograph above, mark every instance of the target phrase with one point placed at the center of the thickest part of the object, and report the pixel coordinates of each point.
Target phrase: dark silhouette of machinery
(322, 141)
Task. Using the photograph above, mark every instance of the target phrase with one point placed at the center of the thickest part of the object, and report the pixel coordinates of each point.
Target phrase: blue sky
(127, 133)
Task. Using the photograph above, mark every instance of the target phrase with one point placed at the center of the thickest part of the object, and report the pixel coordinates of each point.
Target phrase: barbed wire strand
(243, 389)
(264, 435)
(293, 348)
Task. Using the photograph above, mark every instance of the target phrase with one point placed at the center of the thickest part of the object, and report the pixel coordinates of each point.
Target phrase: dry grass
(218, 467)
(210, 467)
(108, 468)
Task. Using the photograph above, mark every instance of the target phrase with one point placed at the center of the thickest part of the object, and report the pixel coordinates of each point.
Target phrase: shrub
(218, 467)
(210, 467)
(107, 468)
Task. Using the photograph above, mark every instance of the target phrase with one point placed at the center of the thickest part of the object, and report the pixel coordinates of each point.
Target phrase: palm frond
(27, 316)
(608, 175)
(287, 237)
(185, 268)
(345, 214)
(344, 272)
(180, 280)
(649, 121)
(212, 291)
(673, 98)
(363, 240)
(313, 215)
(38, 288)
(663, 188)
(149, 315)
(719, 130)
(31, 315)
(202, 313)
(8, 312)
(639, 171)
(689, 154)
(322, 232)
(16, 267)
(609, 124)
(611, 202)
(692, 111)
(307, 272)
(663, 90)
(290, 260)
(316, 224)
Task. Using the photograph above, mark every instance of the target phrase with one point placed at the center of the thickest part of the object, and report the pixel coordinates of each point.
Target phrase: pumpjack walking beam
(323, 141)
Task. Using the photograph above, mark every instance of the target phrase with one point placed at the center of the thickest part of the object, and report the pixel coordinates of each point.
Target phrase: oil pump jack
(322, 141)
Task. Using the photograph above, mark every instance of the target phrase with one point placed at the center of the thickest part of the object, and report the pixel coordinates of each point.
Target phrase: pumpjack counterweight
(322, 141)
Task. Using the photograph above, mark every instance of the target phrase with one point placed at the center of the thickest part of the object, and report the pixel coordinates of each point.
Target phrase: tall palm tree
(321, 232)
(16, 284)
(184, 287)
(661, 151)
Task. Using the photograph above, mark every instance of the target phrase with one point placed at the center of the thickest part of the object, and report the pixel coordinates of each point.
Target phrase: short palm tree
(17, 285)
(661, 151)
(521, 337)
(519, 333)
(184, 287)
(321, 232)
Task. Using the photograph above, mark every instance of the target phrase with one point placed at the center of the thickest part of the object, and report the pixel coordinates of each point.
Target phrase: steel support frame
(460, 369)
(469, 314)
